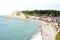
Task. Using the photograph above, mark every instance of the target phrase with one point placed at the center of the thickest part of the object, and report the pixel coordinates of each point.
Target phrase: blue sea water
(17, 29)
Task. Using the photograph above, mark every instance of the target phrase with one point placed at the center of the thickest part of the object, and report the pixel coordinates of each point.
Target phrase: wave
(37, 36)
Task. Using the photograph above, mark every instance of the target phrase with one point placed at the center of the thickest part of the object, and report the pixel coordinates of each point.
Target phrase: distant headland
(36, 13)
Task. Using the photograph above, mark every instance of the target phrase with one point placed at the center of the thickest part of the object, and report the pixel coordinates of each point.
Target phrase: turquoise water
(17, 29)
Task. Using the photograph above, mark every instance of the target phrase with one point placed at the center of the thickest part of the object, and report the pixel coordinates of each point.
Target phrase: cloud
(8, 6)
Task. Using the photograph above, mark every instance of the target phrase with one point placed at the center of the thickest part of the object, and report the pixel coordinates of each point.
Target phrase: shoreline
(44, 29)
(38, 35)
(35, 34)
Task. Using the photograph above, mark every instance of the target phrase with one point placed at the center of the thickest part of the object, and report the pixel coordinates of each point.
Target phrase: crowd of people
(54, 21)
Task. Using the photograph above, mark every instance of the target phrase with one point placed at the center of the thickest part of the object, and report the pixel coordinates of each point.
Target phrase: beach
(38, 35)
(47, 31)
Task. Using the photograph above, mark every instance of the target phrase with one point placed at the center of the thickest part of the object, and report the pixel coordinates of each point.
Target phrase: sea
(17, 29)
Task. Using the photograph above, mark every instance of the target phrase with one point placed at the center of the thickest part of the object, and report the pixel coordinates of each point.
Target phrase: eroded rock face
(17, 15)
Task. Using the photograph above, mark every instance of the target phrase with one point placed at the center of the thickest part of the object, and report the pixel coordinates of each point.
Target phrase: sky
(9, 6)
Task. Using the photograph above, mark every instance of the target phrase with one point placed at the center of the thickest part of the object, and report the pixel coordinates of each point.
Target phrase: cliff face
(17, 14)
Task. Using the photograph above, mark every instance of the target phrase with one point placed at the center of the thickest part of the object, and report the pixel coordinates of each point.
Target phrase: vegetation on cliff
(57, 36)
(37, 13)
(42, 12)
